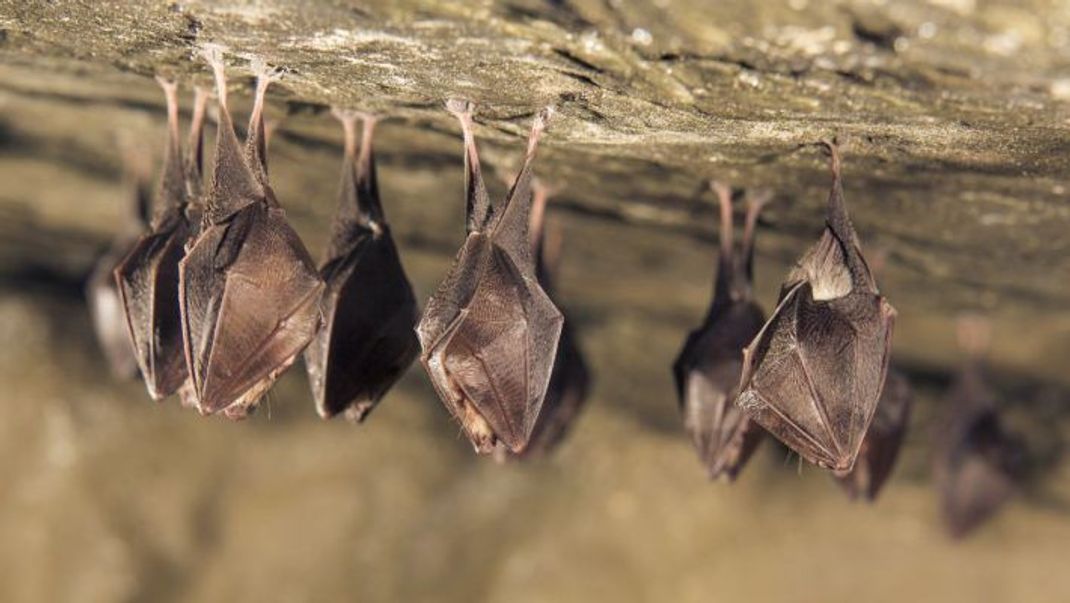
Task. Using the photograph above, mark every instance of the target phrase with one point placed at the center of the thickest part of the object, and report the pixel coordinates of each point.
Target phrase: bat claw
(460, 107)
(263, 71)
(543, 117)
(213, 53)
(832, 148)
(168, 84)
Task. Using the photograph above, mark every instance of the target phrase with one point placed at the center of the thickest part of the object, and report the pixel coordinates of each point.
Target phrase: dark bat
(248, 290)
(813, 375)
(977, 464)
(102, 295)
(880, 447)
(708, 367)
(368, 337)
(570, 379)
(147, 278)
(490, 333)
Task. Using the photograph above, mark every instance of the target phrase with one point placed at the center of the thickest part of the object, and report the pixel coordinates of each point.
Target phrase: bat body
(490, 333)
(813, 374)
(708, 367)
(570, 378)
(147, 278)
(102, 294)
(976, 462)
(368, 337)
(880, 447)
(248, 291)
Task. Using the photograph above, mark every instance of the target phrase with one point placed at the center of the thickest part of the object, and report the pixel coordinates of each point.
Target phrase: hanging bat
(248, 291)
(368, 337)
(880, 447)
(977, 464)
(102, 295)
(490, 332)
(813, 375)
(147, 279)
(569, 379)
(708, 367)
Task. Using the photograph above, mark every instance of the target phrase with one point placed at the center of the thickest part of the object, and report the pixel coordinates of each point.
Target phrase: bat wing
(368, 338)
(565, 396)
(880, 448)
(500, 353)
(147, 282)
(813, 375)
(256, 314)
(454, 293)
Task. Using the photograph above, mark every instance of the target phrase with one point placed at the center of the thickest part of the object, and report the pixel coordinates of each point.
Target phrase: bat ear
(478, 209)
(234, 184)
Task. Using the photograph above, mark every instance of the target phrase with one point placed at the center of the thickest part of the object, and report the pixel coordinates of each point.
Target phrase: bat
(368, 337)
(708, 367)
(248, 290)
(813, 374)
(977, 463)
(147, 278)
(102, 294)
(570, 378)
(880, 447)
(489, 334)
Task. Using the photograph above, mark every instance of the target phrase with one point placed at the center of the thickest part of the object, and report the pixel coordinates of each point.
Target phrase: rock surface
(955, 116)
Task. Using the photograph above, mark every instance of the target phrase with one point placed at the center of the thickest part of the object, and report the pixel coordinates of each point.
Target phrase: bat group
(210, 294)
(816, 376)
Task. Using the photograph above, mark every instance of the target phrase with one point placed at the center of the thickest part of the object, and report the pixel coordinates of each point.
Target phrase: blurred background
(954, 113)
